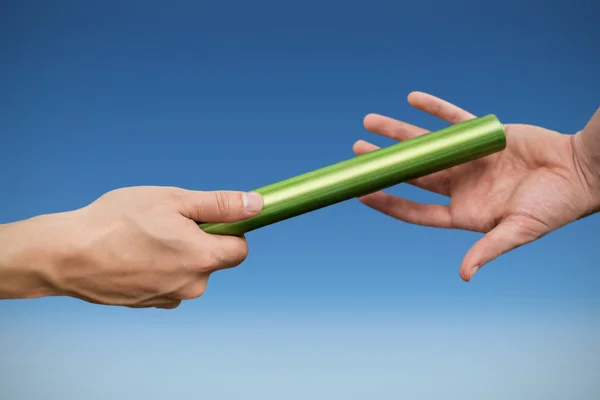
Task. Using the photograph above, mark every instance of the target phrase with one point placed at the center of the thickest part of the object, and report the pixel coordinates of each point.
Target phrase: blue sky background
(340, 303)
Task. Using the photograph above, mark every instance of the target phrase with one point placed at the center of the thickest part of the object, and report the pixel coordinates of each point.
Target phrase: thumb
(220, 206)
(506, 236)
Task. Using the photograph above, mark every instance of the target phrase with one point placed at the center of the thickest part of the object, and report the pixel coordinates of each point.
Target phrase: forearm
(29, 254)
(586, 145)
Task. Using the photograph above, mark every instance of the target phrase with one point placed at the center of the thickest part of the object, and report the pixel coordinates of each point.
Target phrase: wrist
(588, 167)
(31, 254)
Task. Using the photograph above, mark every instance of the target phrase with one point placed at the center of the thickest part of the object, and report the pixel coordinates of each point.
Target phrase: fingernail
(473, 270)
(253, 202)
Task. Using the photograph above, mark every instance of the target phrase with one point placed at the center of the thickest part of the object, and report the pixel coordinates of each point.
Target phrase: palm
(515, 196)
(524, 183)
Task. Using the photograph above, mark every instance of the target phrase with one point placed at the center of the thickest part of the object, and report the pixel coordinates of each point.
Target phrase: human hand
(139, 246)
(539, 183)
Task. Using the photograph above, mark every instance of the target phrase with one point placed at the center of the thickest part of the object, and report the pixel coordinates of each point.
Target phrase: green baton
(371, 172)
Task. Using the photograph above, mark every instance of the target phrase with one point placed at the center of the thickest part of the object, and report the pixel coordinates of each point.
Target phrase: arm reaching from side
(542, 181)
(135, 247)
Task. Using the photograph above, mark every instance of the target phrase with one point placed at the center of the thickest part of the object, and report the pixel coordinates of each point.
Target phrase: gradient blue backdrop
(342, 303)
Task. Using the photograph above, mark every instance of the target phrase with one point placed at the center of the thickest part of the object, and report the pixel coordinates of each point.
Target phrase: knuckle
(223, 203)
(208, 261)
(169, 305)
(214, 256)
(233, 256)
(175, 194)
(193, 291)
(214, 261)
(240, 253)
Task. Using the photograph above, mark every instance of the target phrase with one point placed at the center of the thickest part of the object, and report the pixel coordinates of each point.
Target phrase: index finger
(392, 128)
(439, 108)
(225, 251)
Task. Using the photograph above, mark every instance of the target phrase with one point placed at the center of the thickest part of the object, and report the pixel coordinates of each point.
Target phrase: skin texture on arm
(542, 181)
(135, 247)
